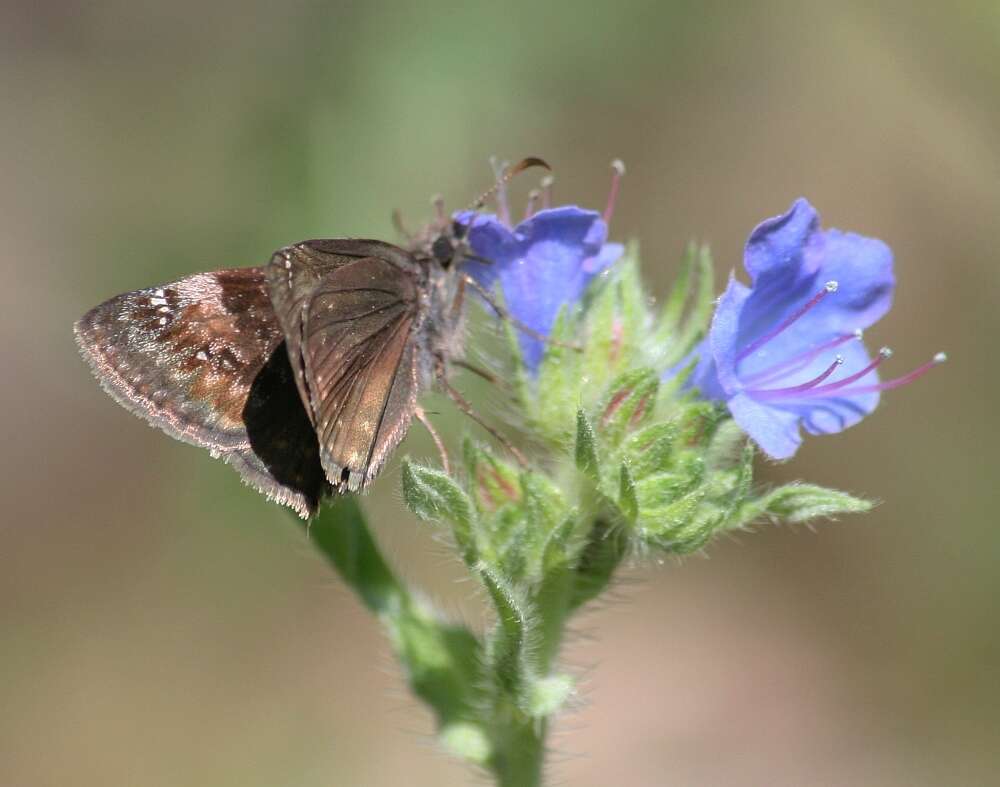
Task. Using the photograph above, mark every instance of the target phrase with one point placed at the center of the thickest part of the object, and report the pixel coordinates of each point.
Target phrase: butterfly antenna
(503, 180)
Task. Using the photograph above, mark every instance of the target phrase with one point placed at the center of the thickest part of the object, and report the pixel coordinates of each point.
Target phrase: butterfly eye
(458, 230)
(442, 249)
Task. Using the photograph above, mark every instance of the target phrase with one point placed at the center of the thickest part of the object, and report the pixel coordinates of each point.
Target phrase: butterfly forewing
(360, 368)
(189, 356)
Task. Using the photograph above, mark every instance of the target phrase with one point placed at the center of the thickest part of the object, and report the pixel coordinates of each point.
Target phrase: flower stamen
(503, 208)
(810, 385)
(529, 209)
(787, 367)
(898, 382)
(547, 183)
(830, 286)
(883, 354)
(618, 171)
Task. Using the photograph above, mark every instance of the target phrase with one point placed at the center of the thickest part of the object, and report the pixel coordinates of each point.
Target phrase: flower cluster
(784, 353)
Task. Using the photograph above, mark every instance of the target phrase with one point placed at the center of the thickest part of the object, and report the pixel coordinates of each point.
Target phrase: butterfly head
(449, 245)
(444, 241)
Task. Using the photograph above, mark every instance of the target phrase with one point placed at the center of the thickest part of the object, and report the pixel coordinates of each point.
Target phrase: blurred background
(161, 624)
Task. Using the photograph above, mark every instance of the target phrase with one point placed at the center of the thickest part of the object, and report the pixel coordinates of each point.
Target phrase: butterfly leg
(465, 407)
(456, 310)
(482, 373)
(438, 443)
(503, 314)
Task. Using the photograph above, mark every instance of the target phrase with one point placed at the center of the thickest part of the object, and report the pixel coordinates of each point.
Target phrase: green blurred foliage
(163, 625)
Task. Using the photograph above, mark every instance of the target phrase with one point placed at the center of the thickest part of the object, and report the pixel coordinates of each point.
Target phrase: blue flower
(542, 264)
(787, 351)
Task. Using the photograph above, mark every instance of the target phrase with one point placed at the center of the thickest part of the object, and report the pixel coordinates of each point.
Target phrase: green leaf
(555, 589)
(561, 548)
(627, 501)
(433, 496)
(605, 548)
(797, 503)
(442, 660)
(586, 447)
(509, 646)
(341, 534)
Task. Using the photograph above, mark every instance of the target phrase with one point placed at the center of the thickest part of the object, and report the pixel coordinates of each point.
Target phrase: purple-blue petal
(604, 259)
(542, 264)
(705, 377)
(724, 335)
(838, 409)
(774, 429)
(790, 260)
(776, 246)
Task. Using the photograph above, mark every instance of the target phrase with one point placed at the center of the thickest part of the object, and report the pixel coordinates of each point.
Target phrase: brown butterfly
(304, 373)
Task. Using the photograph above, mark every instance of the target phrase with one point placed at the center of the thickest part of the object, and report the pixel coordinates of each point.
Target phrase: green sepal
(678, 333)
(586, 447)
(651, 449)
(628, 403)
(673, 306)
(558, 379)
(494, 483)
(601, 357)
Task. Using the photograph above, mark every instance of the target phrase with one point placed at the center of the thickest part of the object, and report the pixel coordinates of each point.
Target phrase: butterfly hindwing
(188, 357)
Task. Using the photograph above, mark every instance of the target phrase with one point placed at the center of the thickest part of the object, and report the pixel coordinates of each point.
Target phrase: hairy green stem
(520, 754)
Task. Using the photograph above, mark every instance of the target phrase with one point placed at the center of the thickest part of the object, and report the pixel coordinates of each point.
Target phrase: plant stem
(520, 755)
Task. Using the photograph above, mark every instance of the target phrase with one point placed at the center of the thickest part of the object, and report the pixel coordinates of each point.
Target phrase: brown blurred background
(162, 625)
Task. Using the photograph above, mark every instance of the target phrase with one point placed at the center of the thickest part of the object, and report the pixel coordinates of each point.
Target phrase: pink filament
(616, 179)
(503, 209)
(809, 386)
(888, 385)
(547, 182)
(883, 354)
(830, 286)
(793, 364)
(529, 209)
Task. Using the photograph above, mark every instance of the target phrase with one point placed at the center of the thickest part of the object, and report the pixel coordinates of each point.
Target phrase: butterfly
(304, 373)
